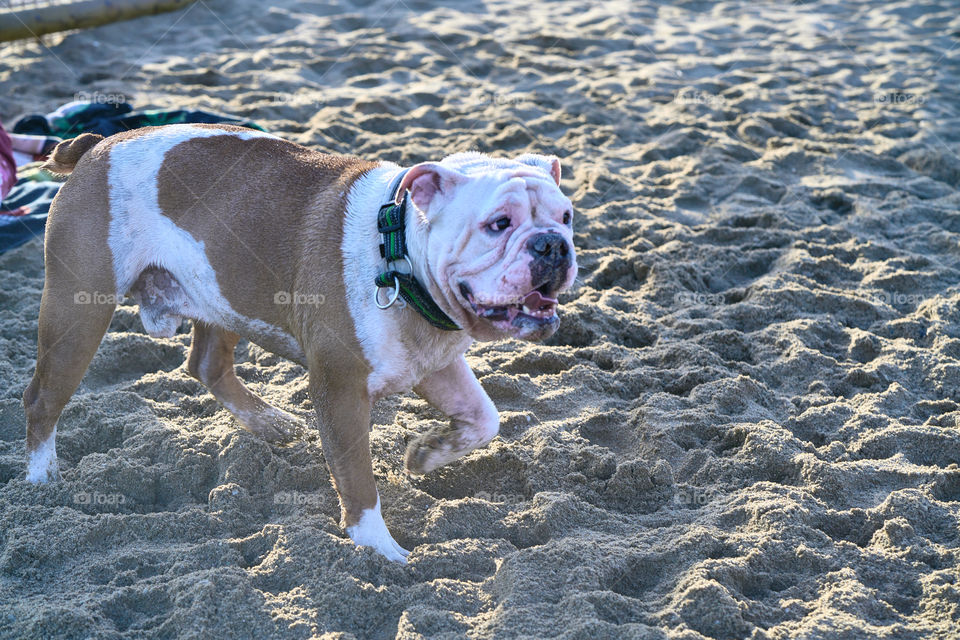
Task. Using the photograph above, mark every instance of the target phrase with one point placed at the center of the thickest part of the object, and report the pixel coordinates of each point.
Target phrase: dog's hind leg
(211, 362)
(79, 296)
(75, 311)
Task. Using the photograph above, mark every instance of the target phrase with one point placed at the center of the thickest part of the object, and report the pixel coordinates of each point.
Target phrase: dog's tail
(67, 154)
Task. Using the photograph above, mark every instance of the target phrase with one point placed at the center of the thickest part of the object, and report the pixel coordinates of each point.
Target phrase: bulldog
(373, 277)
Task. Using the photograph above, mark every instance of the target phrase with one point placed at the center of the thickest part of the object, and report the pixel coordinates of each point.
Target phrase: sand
(746, 427)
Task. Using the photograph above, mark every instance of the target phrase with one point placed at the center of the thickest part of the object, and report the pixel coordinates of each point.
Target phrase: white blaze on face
(371, 531)
(42, 464)
(496, 266)
(492, 262)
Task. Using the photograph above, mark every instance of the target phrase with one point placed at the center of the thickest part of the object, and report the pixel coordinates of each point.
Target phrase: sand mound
(747, 426)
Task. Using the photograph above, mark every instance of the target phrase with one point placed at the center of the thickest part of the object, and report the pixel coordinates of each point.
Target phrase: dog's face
(499, 241)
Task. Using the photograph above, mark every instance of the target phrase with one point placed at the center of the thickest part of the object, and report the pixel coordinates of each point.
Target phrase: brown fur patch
(270, 213)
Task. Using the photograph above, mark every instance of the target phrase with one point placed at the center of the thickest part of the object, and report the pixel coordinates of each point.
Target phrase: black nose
(550, 247)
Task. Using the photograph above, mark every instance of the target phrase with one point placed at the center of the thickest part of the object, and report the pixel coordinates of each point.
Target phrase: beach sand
(746, 426)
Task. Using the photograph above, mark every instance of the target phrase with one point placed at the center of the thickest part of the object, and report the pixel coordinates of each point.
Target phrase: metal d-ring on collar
(396, 286)
(393, 298)
(391, 223)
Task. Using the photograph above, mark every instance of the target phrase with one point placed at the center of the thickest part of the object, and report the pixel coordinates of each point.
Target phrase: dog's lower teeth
(509, 311)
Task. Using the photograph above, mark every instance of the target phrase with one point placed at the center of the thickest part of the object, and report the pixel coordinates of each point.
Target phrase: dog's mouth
(536, 307)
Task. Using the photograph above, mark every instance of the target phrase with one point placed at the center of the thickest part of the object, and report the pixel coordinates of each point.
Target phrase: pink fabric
(8, 166)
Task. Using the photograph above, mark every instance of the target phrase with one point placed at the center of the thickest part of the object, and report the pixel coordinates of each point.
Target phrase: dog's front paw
(430, 452)
(371, 531)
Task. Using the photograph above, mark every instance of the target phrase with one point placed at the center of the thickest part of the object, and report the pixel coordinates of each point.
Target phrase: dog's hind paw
(42, 465)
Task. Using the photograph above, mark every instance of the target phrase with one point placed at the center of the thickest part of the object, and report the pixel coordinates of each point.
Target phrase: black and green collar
(391, 222)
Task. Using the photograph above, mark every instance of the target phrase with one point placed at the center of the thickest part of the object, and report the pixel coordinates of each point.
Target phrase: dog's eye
(567, 217)
(499, 224)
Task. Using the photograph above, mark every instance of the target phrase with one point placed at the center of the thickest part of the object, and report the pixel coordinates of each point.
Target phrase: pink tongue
(534, 300)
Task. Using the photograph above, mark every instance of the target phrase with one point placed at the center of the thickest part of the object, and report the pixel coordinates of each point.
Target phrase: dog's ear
(550, 164)
(427, 180)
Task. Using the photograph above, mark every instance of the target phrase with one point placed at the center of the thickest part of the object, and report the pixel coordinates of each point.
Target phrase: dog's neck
(400, 345)
(404, 248)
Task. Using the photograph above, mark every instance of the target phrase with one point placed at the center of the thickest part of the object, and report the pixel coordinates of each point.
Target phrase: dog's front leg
(343, 413)
(474, 420)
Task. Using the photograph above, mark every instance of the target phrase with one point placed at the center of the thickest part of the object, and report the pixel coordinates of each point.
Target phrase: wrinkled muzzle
(521, 300)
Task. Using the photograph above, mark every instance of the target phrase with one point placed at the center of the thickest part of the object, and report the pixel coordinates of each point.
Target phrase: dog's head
(496, 241)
